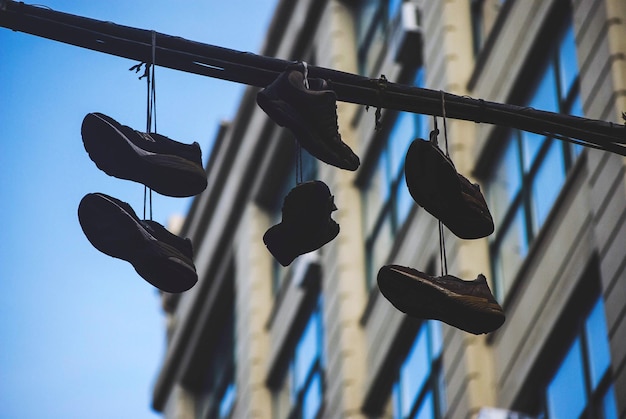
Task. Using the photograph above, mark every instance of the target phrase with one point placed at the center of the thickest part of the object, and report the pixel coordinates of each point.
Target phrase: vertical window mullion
(525, 191)
(591, 413)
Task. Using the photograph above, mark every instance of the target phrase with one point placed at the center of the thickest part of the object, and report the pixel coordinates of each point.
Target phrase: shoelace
(146, 136)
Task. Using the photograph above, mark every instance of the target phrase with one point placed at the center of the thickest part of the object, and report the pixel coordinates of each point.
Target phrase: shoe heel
(107, 228)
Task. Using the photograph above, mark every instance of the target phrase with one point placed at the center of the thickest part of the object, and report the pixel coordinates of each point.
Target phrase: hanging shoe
(162, 164)
(311, 114)
(306, 222)
(435, 185)
(160, 257)
(466, 305)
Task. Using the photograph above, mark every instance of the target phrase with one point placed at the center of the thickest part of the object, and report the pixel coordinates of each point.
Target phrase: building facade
(317, 339)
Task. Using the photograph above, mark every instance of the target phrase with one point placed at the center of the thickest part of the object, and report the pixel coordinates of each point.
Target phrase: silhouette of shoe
(435, 185)
(160, 257)
(466, 305)
(306, 222)
(164, 165)
(311, 114)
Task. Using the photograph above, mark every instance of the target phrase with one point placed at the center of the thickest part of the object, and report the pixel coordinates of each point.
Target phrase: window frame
(377, 23)
(292, 389)
(432, 385)
(595, 396)
(528, 174)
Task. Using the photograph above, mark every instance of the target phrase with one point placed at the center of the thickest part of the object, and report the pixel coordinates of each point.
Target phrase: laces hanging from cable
(150, 113)
(298, 163)
(306, 74)
(298, 146)
(433, 137)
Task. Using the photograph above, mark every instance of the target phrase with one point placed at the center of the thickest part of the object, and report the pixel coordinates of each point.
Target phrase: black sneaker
(160, 257)
(164, 165)
(306, 222)
(311, 114)
(435, 185)
(466, 305)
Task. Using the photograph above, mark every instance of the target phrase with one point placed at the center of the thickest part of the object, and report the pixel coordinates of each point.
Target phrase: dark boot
(306, 223)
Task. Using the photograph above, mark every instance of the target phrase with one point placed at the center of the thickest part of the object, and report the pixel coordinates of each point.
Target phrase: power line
(257, 70)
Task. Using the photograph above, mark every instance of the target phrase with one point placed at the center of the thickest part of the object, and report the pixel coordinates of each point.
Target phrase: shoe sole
(472, 314)
(115, 232)
(436, 186)
(116, 155)
(281, 113)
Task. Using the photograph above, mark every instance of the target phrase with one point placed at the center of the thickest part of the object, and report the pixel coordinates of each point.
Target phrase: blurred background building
(317, 340)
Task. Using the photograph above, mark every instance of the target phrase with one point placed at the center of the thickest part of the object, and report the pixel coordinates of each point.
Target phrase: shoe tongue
(146, 136)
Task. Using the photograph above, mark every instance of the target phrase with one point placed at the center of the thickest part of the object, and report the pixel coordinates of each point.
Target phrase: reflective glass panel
(568, 63)
(312, 399)
(381, 246)
(566, 392)
(511, 252)
(505, 182)
(609, 404)
(414, 371)
(396, 401)
(597, 343)
(399, 140)
(404, 201)
(394, 6)
(227, 401)
(531, 143)
(377, 193)
(426, 410)
(306, 352)
(548, 183)
(436, 338)
(545, 98)
(577, 107)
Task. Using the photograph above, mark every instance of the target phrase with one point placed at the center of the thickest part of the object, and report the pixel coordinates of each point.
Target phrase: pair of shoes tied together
(466, 305)
(306, 222)
(111, 226)
(436, 186)
(162, 164)
(311, 114)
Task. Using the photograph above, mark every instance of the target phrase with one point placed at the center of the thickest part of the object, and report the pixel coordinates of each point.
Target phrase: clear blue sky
(82, 334)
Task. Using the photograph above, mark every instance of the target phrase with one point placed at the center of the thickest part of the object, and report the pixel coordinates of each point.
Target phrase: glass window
(418, 389)
(512, 250)
(227, 401)
(581, 386)
(597, 344)
(376, 20)
(505, 182)
(218, 391)
(566, 392)
(609, 406)
(568, 63)
(394, 7)
(301, 393)
(547, 183)
(528, 175)
(386, 200)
